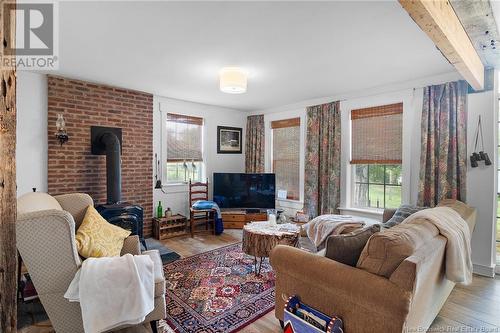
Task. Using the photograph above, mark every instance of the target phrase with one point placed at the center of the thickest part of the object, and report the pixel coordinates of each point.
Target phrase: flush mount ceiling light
(233, 80)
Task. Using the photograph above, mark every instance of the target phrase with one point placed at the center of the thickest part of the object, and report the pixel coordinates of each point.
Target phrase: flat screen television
(245, 190)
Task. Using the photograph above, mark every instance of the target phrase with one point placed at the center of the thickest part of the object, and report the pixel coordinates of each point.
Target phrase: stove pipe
(113, 167)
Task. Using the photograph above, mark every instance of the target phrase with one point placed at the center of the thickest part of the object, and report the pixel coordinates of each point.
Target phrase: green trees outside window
(377, 185)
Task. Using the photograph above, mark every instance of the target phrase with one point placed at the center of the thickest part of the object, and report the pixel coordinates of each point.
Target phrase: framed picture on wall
(229, 140)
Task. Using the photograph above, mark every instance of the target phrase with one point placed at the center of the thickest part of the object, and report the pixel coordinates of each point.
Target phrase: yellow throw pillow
(96, 237)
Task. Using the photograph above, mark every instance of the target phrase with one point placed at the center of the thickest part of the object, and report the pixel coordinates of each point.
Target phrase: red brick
(72, 168)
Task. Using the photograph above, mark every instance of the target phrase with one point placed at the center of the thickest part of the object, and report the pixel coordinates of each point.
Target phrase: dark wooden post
(8, 253)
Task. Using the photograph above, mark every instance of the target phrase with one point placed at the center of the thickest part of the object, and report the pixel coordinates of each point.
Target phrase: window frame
(164, 150)
(405, 100)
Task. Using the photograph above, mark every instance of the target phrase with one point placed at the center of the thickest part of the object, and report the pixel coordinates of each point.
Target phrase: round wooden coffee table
(259, 238)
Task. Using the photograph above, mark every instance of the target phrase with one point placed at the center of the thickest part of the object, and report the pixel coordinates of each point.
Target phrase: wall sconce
(61, 133)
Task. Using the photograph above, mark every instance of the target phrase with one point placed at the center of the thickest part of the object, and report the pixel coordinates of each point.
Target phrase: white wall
(32, 146)
(398, 92)
(176, 196)
(482, 181)
(412, 105)
(31, 150)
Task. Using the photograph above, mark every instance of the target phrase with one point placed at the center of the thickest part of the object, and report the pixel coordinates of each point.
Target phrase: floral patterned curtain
(254, 147)
(443, 159)
(322, 161)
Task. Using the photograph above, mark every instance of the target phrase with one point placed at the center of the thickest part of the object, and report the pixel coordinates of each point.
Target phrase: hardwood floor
(187, 246)
(474, 308)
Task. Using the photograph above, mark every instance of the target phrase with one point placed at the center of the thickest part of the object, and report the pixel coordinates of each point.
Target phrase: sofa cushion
(401, 214)
(346, 248)
(96, 237)
(385, 250)
(36, 201)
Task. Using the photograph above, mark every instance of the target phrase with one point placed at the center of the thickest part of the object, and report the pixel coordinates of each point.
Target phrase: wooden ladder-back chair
(199, 191)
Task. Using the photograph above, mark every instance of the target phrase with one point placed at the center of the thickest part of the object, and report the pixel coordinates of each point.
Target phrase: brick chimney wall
(72, 167)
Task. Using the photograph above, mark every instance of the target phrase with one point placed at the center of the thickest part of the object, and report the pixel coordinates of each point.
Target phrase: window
(184, 148)
(178, 172)
(377, 186)
(286, 157)
(376, 156)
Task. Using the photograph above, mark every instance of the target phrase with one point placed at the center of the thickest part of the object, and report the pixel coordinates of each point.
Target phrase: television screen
(245, 190)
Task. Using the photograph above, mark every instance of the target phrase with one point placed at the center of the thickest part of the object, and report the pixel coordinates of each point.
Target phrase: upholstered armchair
(46, 243)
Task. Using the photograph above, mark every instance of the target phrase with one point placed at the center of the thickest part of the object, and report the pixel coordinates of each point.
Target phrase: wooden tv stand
(237, 218)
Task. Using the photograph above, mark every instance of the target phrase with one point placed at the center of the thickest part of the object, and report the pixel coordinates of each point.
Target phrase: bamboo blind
(184, 138)
(377, 134)
(285, 123)
(286, 155)
(179, 118)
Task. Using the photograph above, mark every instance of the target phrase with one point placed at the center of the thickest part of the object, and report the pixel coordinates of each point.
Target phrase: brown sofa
(404, 298)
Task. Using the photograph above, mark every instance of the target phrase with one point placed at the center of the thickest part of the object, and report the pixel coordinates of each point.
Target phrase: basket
(300, 318)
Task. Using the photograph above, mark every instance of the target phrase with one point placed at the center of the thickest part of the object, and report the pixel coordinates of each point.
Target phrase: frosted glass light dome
(233, 80)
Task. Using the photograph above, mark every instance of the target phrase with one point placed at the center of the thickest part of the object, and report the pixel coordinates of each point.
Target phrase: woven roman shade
(286, 155)
(293, 122)
(184, 138)
(377, 134)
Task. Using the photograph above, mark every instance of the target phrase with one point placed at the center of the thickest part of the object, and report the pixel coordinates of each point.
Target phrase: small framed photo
(228, 140)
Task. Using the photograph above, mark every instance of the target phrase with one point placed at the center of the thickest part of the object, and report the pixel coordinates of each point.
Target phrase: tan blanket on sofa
(324, 226)
(451, 225)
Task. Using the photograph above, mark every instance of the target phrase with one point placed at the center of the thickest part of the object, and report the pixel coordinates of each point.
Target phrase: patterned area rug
(217, 291)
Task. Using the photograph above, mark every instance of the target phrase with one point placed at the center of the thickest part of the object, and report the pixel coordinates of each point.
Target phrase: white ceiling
(293, 50)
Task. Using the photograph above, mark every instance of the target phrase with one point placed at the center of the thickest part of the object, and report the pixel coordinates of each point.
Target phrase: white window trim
(375, 214)
(412, 102)
(173, 184)
(290, 200)
(374, 211)
(176, 187)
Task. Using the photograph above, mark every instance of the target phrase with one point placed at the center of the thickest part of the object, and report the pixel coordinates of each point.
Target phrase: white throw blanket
(113, 291)
(451, 225)
(320, 228)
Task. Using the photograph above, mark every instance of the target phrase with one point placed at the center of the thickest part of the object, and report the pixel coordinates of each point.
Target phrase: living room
(259, 166)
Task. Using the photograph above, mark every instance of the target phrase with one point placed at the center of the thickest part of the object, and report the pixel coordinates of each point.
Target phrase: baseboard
(488, 271)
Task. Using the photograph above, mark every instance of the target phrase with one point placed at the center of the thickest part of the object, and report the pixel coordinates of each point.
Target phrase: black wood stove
(107, 141)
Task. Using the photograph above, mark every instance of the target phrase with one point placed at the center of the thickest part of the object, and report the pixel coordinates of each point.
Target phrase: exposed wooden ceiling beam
(439, 21)
(478, 20)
